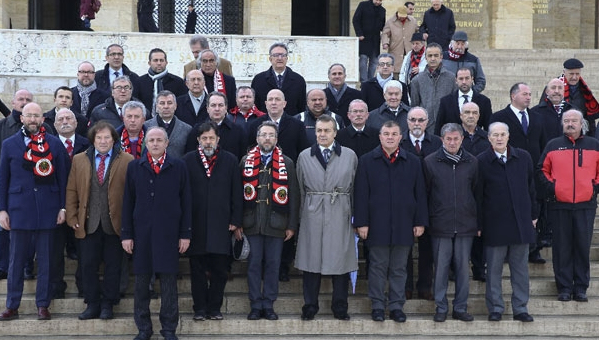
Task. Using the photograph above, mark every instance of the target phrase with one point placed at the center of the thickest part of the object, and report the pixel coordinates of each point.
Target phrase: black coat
(382, 114)
(477, 143)
(230, 88)
(551, 119)
(341, 107)
(451, 194)
(293, 87)
(190, 23)
(535, 140)
(439, 25)
(82, 122)
(291, 135)
(360, 142)
(430, 144)
(97, 97)
(170, 82)
(185, 110)
(157, 213)
(389, 198)
(102, 79)
(217, 202)
(372, 93)
(368, 21)
(232, 138)
(506, 203)
(449, 112)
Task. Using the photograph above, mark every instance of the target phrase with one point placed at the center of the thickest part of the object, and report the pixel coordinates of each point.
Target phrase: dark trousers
(287, 255)
(57, 282)
(311, 284)
(263, 270)
(425, 264)
(97, 248)
(208, 293)
(478, 257)
(169, 306)
(571, 241)
(4, 249)
(21, 248)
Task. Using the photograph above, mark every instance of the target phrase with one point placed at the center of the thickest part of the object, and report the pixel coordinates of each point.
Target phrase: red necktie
(101, 168)
(418, 146)
(69, 148)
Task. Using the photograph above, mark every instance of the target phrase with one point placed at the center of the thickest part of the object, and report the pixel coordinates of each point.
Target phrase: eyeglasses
(122, 88)
(115, 54)
(386, 64)
(30, 115)
(86, 72)
(414, 120)
(279, 55)
(267, 135)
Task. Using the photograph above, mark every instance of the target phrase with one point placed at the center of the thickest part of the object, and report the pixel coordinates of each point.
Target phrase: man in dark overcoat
(156, 228)
(390, 209)
(33, 178)
(216, 212)
(507, 213)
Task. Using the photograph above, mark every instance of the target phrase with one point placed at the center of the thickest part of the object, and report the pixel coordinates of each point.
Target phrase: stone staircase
(553, 319)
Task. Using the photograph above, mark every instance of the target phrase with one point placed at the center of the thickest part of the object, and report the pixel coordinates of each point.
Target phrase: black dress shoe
(377, 315)
(398, 315)
(580, 297)
(270, 314)
(284, 276)
(535, 257)
(495, 316)
(3, 275)
(307, 315)
(564, 297)
(439, 317)
(479, 277)
(9, 314)
(341, 316)
(169, 335)
(91, 312)
(254, 314)
(106, 313)
(523, 317)
(143, 336)
(462, 316)
(425, 296)
(43, 313)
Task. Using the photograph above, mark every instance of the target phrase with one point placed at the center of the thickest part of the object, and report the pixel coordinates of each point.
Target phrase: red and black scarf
(591, 104)
(415, 57)
(392, 158)
(250, 179)
(220, 82)
(454, 55)
(156, 166)
(254, 111)
(38, 157)
(126, 143)
(208, 164)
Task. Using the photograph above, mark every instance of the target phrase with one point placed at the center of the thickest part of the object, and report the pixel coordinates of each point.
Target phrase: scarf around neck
(591, 104)
(126, 143)
(208, 164)
(84, 93)
(454, 55)
(37, 156)
(250, 179)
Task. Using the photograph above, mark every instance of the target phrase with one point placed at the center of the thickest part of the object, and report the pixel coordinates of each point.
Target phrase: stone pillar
(116, 16)
(512, 24)
(268, 17)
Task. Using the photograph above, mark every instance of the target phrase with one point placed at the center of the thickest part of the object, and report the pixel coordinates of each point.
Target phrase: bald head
(21, 98)
(275, 103)
(555, 91)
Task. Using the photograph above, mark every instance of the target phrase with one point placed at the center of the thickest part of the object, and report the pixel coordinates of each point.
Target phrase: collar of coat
(511, 152)
(337, 148)
(402, 155)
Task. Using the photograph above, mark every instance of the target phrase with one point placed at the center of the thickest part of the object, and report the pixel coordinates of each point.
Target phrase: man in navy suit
(87, 95)
(281, 77)
(191, 106)
(33, 178)
(450, 105)
(526, 132)
(65, 123)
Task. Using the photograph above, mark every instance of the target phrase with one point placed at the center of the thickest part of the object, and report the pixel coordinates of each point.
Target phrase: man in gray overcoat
(326, 237)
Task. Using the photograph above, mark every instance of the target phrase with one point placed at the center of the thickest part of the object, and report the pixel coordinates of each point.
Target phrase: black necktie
(524, 123)
(466, 98)
(326, 155)
(117, 74)
(279, 80)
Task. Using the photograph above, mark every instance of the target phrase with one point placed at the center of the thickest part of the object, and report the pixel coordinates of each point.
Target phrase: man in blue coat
(33, 179)
(390, 209)
(217, 205)
(156, 228)
(507, 213)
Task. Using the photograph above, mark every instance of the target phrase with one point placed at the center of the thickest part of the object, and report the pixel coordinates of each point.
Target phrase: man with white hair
(458, 56)
(391, 109)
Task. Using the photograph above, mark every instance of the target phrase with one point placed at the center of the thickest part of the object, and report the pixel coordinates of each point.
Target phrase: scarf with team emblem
(38, 157)
(591, 104)
(250, 175)
(126, 143)
(208, 164)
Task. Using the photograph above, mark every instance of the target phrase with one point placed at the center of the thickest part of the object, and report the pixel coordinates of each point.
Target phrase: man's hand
(362, 37)
(184, 244)
(425, 36)
(418, 230)
(4, 220)
(534, 222)
(363, 232)
(289, 233)
(127, 246)
(60, 219)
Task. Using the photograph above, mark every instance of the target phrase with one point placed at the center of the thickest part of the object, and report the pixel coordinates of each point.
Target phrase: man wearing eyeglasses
(115, 68)
(280, 76)
(112, 109)
(199, 43)
(87, 95)
(372, 89)
(214, 79)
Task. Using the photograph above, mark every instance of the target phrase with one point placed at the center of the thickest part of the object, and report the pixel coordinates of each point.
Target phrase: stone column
(268, 17)
(512, 24)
